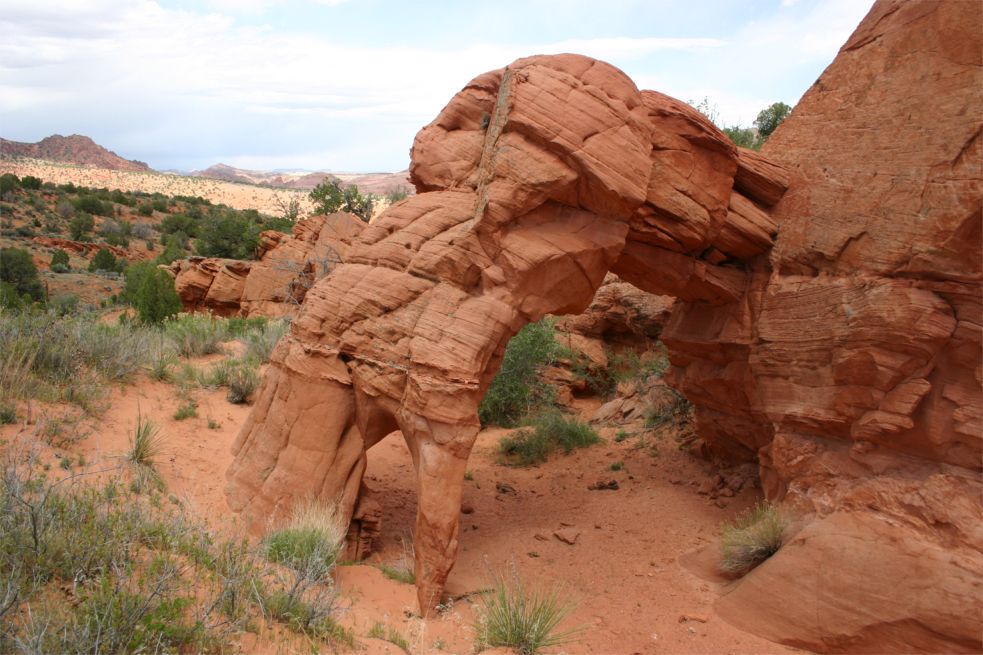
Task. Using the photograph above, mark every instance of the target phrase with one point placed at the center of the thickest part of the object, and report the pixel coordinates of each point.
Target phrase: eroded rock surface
(845, 360)
(277, 282)
(532, 181)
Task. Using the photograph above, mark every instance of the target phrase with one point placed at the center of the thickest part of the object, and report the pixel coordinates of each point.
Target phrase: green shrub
(523, 618)
(65, 304)
(30, 182)
(151, 292)
(80, 226)
(550, 431)
(93, 205)
(752, 538)
(159, 204)
(327, 196)
(179, 223)
(8, 183)
(18, 270)
(104, 260)
(228, 234)
(145, 209)
(516, 390)
(59, 256)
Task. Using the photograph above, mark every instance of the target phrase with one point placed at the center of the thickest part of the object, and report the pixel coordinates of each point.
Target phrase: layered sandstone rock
(845, 361)
(532, 181)
(276, 284)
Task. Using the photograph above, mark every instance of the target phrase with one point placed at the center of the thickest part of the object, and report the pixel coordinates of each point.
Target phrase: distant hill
(378, 183)
(74, 149)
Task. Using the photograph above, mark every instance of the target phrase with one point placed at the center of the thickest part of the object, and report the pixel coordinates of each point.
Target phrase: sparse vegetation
(187, 410)
(140, 578)
(307, 547)
(751, 539)
(378, 631)
(522, 617)
(196, 335)
(550, 431)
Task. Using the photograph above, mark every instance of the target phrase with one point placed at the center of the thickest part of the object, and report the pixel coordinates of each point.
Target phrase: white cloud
(168, 83)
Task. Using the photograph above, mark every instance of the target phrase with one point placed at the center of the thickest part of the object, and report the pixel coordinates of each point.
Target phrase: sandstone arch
(521, 213)
(845, 359)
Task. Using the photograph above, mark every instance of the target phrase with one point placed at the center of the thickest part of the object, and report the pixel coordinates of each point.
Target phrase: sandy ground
(623, 570)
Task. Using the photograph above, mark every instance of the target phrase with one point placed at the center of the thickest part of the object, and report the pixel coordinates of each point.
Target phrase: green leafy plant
(517, 390)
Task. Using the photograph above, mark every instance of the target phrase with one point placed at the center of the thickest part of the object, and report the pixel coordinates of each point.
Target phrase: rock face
(276, 284)
(843, 358)
(862, 372)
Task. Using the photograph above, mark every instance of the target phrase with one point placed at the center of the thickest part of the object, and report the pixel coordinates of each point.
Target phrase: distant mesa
(74, 149)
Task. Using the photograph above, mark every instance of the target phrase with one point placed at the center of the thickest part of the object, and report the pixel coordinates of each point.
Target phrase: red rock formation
(863, 340)
(845, 360)
(276, 284)
(527, 206)
(75, 149)
(83, 248)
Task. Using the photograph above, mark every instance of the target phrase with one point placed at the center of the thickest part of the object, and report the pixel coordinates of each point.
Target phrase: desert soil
(623, 570)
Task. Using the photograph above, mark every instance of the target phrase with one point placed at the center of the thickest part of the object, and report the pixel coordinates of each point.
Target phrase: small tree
(327, 197)
(18, 270)
(151, 292)
(103, 261)
(59, 258)
(228, 234)
(30, 182)
(356, 203)
(80, 226)
(8, 182)
(770, 118)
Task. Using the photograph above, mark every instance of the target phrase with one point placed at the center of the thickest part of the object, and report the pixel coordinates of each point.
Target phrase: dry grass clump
(752, 538)
(524, 618)
(146, 444)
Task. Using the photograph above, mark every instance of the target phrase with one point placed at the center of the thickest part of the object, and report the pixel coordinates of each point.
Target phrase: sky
(344, 85)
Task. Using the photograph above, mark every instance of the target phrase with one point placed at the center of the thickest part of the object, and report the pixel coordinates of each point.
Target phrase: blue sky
(344, 85)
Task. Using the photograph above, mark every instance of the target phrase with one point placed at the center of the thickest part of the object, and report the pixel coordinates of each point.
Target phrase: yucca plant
(146, 443)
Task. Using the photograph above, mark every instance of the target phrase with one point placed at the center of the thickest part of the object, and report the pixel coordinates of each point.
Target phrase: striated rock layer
(845, 360)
